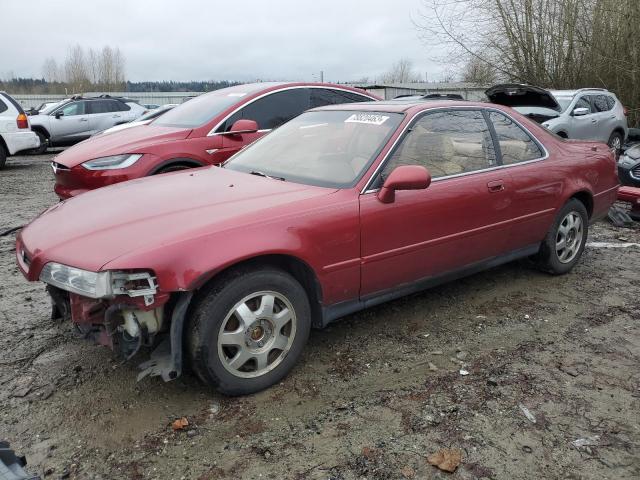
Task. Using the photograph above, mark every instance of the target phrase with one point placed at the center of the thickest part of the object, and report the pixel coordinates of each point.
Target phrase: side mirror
(59, 114)
(243, 126)
(580, 112)
(406, 177)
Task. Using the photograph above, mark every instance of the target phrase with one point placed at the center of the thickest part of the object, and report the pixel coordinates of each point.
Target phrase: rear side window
(446, 143)
(516, 145)
(611, 102)
(3, 107)
(122, 106)
(103, 106)
(600, 103)
(273, 110)
(324, 96)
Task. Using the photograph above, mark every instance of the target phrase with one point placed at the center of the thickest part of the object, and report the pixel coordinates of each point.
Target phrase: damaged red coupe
(342, 208)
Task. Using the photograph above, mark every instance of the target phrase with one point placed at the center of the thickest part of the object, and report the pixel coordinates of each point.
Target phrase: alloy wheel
(256, 334)
(569, 237)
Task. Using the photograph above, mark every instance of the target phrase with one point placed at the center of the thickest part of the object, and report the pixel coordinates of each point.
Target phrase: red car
(340, 209)
(206, 130)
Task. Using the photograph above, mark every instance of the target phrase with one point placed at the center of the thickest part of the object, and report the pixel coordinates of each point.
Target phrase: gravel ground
(374, 394)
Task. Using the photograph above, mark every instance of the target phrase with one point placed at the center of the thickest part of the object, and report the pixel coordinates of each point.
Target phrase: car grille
(58, 167)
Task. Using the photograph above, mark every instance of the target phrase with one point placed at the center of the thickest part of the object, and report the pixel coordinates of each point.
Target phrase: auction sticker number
(368, 118)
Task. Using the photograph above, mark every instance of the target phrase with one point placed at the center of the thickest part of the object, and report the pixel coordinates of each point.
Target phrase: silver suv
(586, 114)
(77, 118)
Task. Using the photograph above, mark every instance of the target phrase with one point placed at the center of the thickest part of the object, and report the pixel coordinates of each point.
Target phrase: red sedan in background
(342, 208)
(206, 130)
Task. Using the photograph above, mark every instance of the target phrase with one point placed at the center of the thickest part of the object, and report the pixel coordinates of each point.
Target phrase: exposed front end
(123, 310)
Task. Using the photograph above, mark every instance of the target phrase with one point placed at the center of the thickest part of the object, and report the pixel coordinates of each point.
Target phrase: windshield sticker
(239, 94)
(368, 118)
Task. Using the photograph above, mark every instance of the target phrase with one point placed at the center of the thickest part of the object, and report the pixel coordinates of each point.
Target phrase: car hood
(633, 152)
(102, 225)
(517, 95)
(130, 140)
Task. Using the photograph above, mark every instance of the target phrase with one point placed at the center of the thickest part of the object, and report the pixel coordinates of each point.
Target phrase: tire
(231, 365)
(44, 143)
(615, 143)
(551, 257)
(3, 157)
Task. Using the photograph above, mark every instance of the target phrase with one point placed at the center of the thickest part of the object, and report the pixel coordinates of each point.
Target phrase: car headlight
(99, 284)
(112, 162)
(76, 280)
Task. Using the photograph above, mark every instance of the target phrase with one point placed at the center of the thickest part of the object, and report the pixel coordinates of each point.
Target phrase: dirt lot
(374, 395)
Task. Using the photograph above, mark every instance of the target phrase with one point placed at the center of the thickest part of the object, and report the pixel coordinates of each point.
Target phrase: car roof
(573, 93)
(408, 105)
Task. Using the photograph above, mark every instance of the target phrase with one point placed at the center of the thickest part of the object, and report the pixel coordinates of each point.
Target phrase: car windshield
(48, 107)
(564, 102)
(323, 148)
(204, 108)
(153, 113)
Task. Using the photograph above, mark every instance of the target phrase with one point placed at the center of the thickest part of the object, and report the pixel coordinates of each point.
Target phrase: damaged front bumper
(125, 324)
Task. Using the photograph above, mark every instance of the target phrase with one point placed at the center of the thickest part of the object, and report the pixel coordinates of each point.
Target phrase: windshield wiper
(262, 174)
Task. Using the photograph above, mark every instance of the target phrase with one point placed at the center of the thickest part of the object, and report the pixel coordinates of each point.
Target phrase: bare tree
(75, 67)
(401, 72)
(477, 71)
(551, 43)
(50, 70)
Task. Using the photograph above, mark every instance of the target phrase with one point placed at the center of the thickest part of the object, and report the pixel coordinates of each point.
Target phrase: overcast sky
(214, 40)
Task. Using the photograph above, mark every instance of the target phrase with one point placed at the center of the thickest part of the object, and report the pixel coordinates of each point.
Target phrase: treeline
(43, 87)
(172, 86)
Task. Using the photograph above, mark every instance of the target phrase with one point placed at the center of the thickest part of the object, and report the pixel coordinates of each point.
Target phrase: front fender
(326, 238)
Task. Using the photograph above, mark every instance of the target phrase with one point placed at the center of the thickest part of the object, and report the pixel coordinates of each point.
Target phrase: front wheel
(247, 331)
(564, 243)
(44, 143)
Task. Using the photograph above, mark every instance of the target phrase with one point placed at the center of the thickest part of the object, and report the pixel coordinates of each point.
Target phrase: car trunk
(534, 102)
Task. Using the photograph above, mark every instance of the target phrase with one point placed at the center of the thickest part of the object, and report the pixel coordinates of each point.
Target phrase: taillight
(22, 121)
(626, 111)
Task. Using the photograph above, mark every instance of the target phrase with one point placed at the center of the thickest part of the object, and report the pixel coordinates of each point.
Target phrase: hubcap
(569, 237)
(257, 334)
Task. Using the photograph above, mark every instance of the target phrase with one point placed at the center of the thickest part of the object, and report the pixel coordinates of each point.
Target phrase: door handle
(116, 116)
(495, 186)
(594, 121)
(84, 119)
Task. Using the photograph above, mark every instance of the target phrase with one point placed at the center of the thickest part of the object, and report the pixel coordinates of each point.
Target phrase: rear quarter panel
(588, 167)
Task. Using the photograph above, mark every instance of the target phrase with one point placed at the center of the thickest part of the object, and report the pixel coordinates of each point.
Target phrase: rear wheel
(564, 244)
(248, 330)
(615, 143)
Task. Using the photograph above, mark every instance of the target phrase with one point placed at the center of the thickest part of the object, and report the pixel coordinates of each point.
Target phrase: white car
(78, 118)
(15, 129)
(142, 120)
